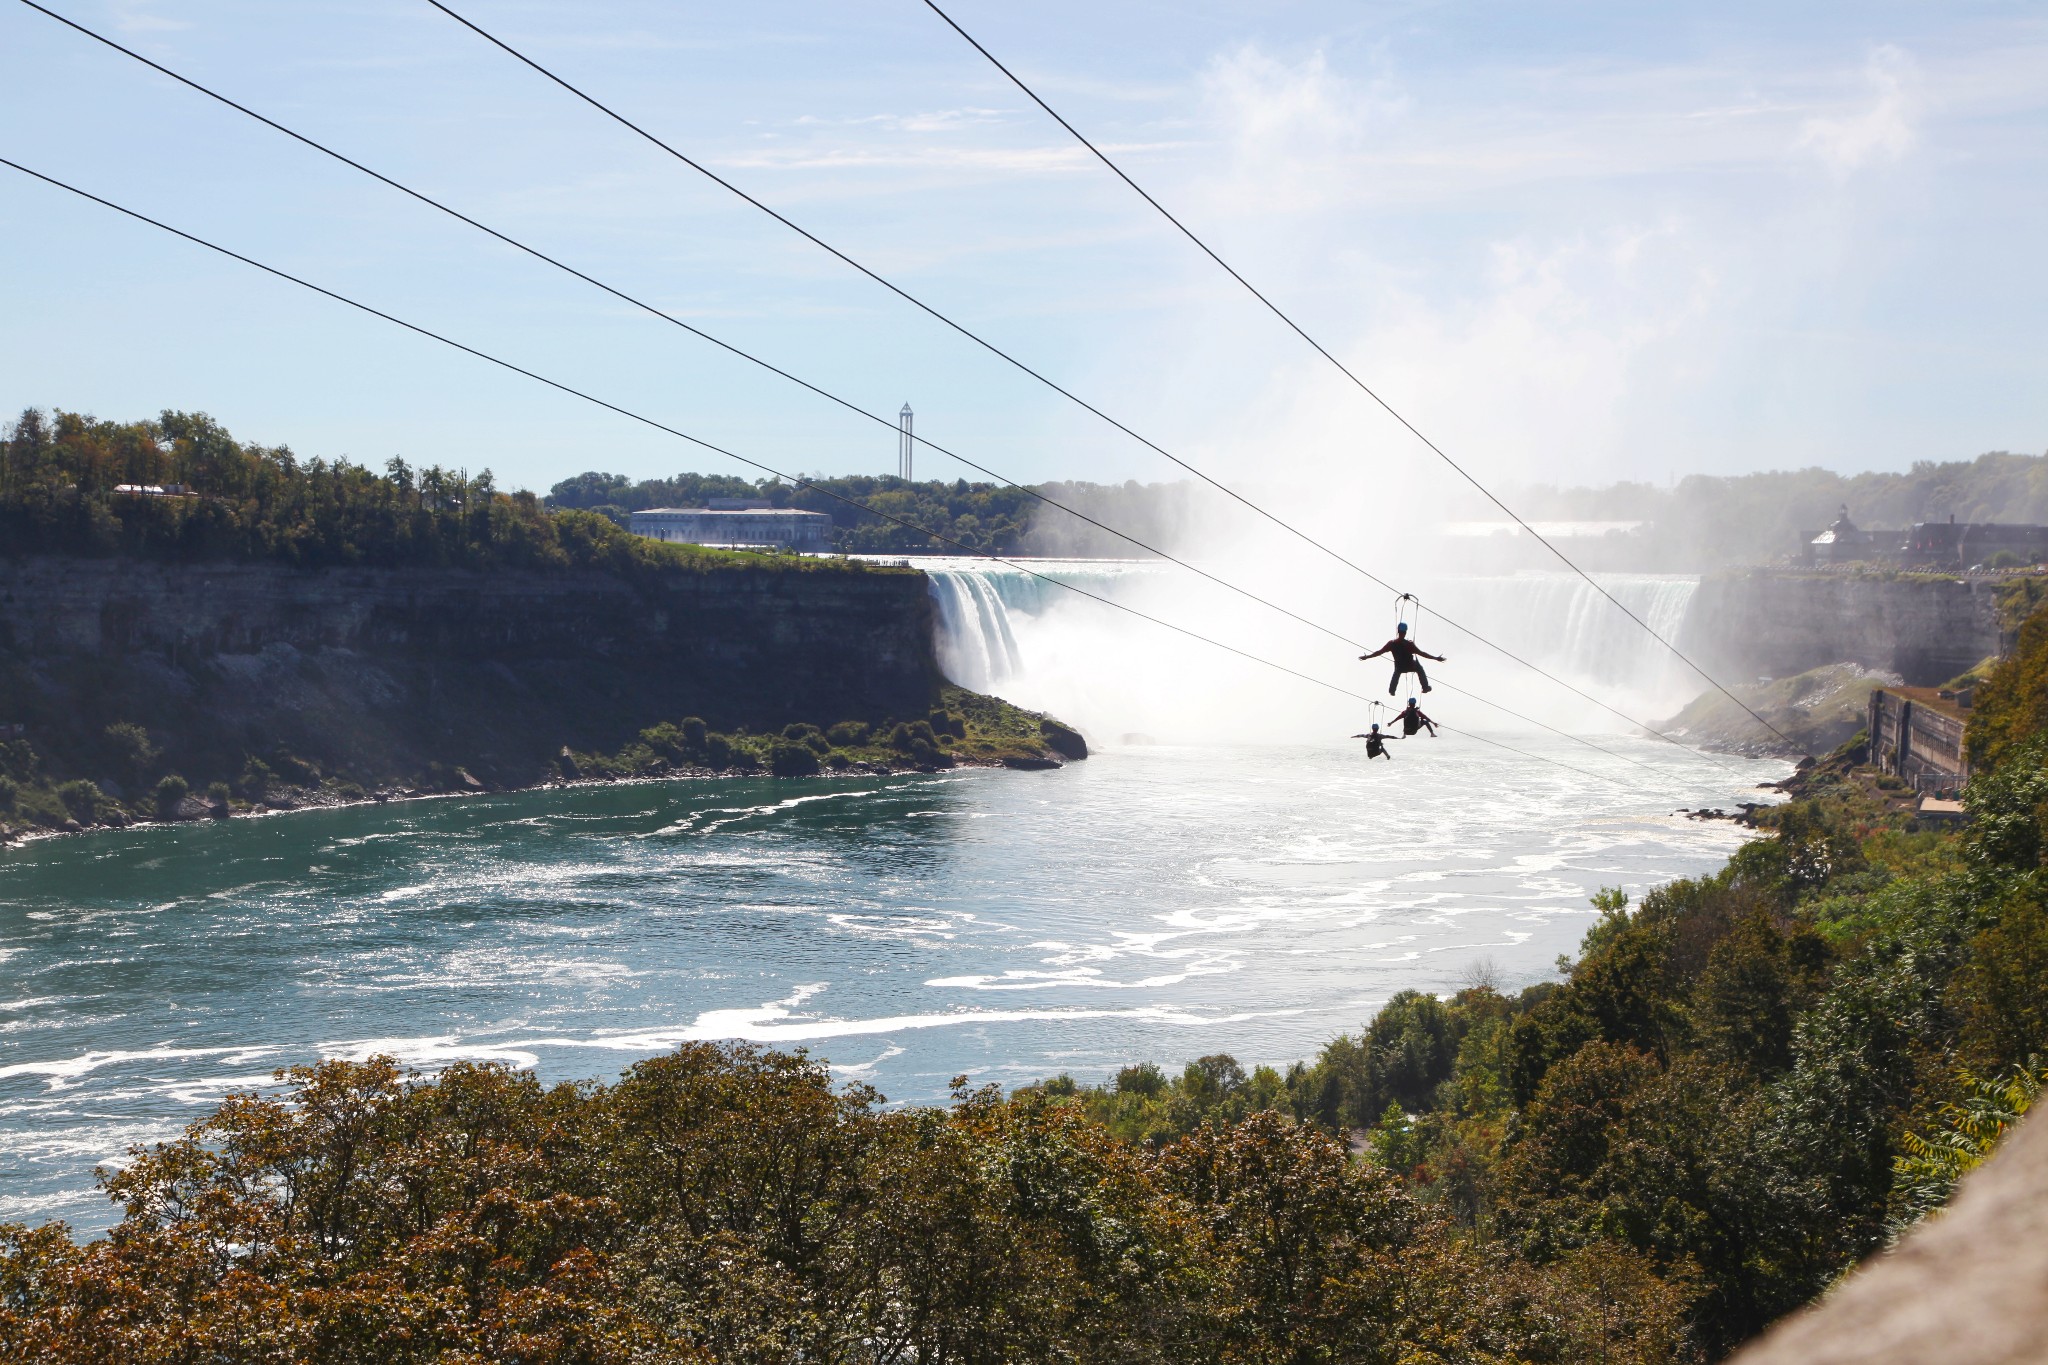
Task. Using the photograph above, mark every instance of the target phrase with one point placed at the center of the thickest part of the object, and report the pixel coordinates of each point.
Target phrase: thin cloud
(1883, 132)
(134, 18)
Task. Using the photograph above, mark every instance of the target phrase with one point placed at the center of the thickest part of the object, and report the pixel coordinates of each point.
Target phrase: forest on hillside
(1700, 523)
(63, 475)
(1738, 1089)
(931, 517)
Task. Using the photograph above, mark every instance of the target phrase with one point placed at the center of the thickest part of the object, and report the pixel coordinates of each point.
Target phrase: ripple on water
(1156, 904)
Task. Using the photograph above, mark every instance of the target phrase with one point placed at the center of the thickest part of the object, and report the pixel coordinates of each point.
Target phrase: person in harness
(1412, 720)
(1407, 658)
(1375, 744)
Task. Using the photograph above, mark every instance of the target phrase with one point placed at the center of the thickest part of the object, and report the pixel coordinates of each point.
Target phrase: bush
(793, 760)
(848, 734)
(170, 794)
(217, 795)
(922, 752)
(130, 752)
(695, 736)
(717, 750)
(256, 780)
(1143, 1079)
(8, 788)
(82, 800)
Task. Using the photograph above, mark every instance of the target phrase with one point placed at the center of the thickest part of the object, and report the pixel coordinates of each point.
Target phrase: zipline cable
(1345, 370)
(774, 369)
(1014, 362)
(795, 480)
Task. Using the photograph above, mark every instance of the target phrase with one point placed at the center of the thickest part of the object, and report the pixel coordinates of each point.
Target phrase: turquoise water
(1152, 903)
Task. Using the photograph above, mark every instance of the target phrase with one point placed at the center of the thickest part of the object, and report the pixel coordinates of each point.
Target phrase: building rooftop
(1932, 698)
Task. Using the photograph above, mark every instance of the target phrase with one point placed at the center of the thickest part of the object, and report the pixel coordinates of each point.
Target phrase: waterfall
(981, 605)
(1561, 622)
(1005, 631)
(977, 647)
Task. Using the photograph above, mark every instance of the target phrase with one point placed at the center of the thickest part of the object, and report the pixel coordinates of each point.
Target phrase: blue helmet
(1411, 701)
(1400, 627)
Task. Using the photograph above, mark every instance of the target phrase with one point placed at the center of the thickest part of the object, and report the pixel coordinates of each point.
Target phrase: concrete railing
(1968, 1287)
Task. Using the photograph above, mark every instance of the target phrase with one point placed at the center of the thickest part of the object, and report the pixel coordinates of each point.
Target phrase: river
(1159, 901)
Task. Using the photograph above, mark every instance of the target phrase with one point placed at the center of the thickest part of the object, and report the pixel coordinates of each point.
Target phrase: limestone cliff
(1925, 628)
(372, 673)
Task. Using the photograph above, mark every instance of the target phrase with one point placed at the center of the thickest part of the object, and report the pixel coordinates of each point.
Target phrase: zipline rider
(1407, 658)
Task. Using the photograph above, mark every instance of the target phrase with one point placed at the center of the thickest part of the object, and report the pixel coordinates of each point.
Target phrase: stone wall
(373, 671)
(1968, 1287)
(1765, 623)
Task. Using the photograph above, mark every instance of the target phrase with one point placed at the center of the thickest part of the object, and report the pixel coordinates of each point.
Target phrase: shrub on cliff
(2011, 704)
(169, 795)
(793, 760)
(83, 800)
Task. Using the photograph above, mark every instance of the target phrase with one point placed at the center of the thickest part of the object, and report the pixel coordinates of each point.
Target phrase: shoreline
(304, 800)
(315, 800)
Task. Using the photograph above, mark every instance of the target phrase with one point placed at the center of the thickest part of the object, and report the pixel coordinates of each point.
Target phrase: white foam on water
(63, 1071)
(1155, 903)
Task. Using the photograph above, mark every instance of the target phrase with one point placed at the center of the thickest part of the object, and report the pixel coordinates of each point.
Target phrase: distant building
(1949, 545)
(1845, 542)
(743, 528)
(1917, 733)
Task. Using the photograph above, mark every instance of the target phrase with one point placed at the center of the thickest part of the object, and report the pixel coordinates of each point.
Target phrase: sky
(1569, 242)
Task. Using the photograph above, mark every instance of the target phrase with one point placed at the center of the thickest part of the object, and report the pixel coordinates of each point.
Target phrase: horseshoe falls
(1007, 631)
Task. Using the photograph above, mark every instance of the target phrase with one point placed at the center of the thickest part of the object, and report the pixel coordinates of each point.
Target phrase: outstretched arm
(1375, 654)
(1437, 657)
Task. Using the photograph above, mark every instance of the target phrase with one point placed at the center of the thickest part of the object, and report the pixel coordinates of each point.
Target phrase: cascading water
(1559, 621)
(977, 648)
(1004, 631)
(982, 607)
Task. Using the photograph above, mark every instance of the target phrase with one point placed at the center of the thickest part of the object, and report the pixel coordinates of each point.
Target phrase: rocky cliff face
(1761, 623)
(373, 672)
